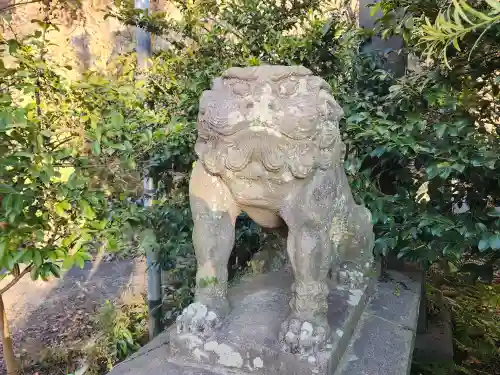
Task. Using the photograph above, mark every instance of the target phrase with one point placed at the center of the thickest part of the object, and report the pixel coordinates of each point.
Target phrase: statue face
(267, 124)
(277, 100)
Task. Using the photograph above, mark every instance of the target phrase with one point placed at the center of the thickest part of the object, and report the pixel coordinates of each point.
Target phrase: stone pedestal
(380, 317)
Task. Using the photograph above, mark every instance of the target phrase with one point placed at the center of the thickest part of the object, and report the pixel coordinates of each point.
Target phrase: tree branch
(18, 4)
(53, 147)
(16, 279)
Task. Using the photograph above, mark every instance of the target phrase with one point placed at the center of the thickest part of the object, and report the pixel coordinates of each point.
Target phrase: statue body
(269, 145)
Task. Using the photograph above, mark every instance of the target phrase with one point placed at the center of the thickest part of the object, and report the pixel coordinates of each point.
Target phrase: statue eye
(289, 88)
(241, 89)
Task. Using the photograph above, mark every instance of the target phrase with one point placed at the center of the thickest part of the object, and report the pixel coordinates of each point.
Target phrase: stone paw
(197, 318)
(303, 337)
(350, 274)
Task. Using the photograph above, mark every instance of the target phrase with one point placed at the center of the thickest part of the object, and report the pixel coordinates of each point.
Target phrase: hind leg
(357, 249)
(214, 214)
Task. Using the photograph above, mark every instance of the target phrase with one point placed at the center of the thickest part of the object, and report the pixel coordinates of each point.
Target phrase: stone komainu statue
(269, 145)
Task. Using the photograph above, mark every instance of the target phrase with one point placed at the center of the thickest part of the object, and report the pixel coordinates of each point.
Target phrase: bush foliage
(423, 149)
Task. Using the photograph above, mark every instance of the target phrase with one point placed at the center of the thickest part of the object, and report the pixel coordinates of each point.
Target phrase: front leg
(308, 218)
(306, 329)
(214, 214)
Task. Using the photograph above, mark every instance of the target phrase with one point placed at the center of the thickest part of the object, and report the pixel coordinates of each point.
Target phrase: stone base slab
(247, 342)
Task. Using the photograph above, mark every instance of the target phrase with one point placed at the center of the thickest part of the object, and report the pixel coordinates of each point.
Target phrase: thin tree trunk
(8, 350)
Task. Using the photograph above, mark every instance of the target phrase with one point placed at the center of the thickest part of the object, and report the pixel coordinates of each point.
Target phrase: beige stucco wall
(85, 39)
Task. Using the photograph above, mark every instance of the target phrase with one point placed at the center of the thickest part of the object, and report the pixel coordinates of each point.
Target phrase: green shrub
(423, 148)
(121, 330)
(419, 147)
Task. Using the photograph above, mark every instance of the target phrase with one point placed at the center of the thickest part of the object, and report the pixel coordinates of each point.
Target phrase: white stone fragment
(339, 332)
(200, 354)
(258, 363)
(354, 297)
(306, 331)
(352, 358)
(228, 356)
(211, 346)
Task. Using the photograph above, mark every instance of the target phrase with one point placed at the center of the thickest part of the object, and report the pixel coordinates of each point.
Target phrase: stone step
(383, 341)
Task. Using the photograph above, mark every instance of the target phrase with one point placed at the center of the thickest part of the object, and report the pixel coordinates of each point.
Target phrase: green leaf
(55, 269)
(495, 4)
(375, 8)
(495, 241)
(79, 261)
(28, 256)
(87, 211)
(99, 224)
(481, 227)
(494, 212)
(440, 129)
(378, 152)
(60, 254)
(395, 88)
(23, 154)
(35, 271)
(85, 255)
(3, 248)
(61, 208)
(68, 262)
(483, 245)
(37, 258)
(458, 167)
(356, 118)
(432, 171)
(39, 235)
(474, 12)
(96, 148)
(444, 173)
(13, 45)
(112, 243)
(7, 189)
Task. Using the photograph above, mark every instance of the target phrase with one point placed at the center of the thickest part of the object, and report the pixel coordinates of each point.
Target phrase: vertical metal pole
(143, 40)
(143, 52)
(154, 272)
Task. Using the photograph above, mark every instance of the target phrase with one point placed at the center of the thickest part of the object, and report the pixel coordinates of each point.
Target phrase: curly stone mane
(260, 120)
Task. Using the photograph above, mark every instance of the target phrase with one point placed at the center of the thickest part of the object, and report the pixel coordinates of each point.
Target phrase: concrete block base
(373, 331)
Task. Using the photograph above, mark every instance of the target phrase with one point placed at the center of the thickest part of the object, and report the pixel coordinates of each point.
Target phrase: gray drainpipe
(143, 52)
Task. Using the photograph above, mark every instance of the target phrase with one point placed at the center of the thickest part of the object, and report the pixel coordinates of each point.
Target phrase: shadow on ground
(59, 312)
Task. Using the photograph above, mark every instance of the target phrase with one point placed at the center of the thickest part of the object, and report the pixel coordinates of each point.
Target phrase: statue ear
(334, 110)
(328, 107)
(217, 84)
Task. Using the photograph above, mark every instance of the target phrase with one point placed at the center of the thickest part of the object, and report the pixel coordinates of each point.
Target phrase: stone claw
(197, 318)
(302, 337)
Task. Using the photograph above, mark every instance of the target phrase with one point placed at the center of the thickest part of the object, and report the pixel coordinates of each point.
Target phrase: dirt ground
(59, 311)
